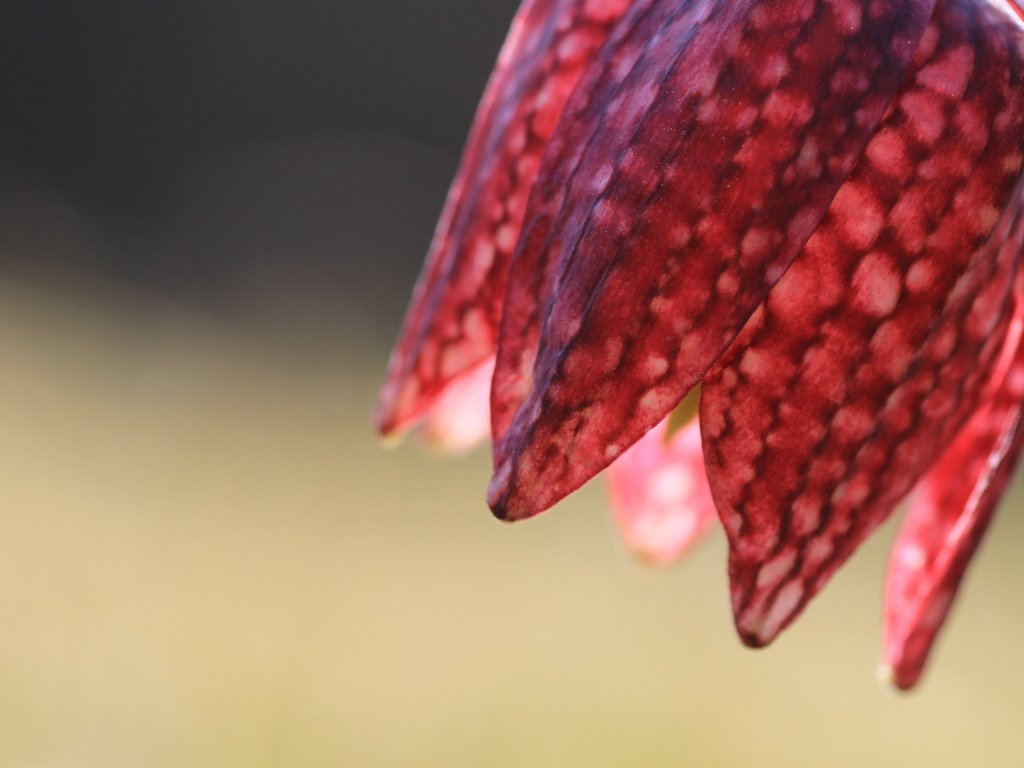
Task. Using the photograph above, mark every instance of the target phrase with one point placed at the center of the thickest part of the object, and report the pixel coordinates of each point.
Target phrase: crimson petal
(874, 349)
(954, 507)
(599, 111)
(451, 324)
(703, 169)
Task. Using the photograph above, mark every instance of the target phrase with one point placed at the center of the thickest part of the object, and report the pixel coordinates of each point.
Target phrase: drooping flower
(811, 209)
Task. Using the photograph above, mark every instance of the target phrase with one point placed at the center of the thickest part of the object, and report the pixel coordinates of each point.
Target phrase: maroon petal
(598, 114)
(872, 352)
(689, 181)
(451, 324)
(659, 493)
(954, 506)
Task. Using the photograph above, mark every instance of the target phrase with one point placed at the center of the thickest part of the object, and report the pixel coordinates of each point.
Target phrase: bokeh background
(211, 215)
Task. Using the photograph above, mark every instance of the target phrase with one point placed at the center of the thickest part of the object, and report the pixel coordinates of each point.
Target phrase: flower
(811, 209)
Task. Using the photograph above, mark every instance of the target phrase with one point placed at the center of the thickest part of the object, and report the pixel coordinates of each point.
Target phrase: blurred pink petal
(659, 493)
(461, 417)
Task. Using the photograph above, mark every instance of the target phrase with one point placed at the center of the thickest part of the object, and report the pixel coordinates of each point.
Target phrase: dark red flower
(812, 209)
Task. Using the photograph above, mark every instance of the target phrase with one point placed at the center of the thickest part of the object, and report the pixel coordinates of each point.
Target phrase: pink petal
(461, 416)
(451, 324)
(874, 349)
(660, 495)
(951, 513)
(694, 170)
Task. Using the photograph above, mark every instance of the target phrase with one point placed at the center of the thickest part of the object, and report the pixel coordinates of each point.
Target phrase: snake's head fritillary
(805, 214)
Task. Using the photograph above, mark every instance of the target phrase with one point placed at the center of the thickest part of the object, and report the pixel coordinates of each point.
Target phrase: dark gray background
(250, 157)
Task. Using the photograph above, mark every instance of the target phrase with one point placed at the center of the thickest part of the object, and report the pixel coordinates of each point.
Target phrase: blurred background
(211, 215)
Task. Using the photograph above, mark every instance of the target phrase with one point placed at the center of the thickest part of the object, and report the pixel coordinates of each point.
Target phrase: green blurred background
(211, 215)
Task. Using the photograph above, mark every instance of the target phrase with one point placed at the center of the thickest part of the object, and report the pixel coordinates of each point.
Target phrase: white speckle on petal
(877, 285)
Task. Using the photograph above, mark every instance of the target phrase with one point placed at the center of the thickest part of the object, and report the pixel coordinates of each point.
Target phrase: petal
(451, 324)
(660, 495)
(461, 417)
(872, 351)
(691, 181)
(951, 513)
(599, 111)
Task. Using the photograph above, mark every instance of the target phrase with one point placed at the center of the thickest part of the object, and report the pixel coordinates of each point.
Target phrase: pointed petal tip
(503, 512)
(751, 629)
(390, 441)
(451, 420)
(382, 427)
(389, 432)
(761, 616)
(753, 639)
(656, 555)
(500, 516)
(884, 674)
(385, 420)
(650, 559)
(887, 678)
(501, 499)
(507, 497)
(895, 679)
(497, 492)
